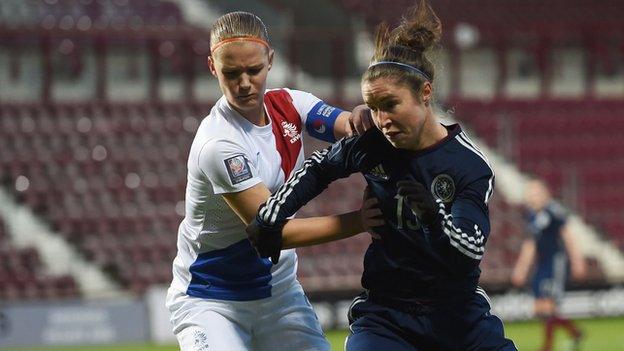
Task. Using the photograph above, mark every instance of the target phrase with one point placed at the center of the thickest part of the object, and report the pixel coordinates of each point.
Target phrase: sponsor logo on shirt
(379, 172)
(238, 169)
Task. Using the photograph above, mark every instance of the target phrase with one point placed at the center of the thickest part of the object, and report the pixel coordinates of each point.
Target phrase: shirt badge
(291, 132)
(443, 187)
(238, 169)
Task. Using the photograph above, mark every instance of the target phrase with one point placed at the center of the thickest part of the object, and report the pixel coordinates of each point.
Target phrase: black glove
(267, 240)
(419, 200)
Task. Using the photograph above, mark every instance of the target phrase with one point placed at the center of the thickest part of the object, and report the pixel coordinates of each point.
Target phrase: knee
(544, 308)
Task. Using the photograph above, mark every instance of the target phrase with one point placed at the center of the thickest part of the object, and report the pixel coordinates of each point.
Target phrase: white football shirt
(230, 154)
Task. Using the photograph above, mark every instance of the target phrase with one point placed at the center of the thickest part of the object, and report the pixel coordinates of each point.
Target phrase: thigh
(201, 324)
(544, 286)
(486, 331)
(288, 322)
(375, 327)
(488, 334)
(213, 332)
(367, 334)
(550, 279)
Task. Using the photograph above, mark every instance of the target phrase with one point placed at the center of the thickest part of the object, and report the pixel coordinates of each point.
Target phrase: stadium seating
(22, 275)
(110, 176)
(584, 160)
(111, 179)
(574, 145)
(496, 16)
(90, 14)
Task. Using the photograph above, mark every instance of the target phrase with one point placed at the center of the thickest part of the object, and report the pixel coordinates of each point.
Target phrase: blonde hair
(238, 24)
(408, 44)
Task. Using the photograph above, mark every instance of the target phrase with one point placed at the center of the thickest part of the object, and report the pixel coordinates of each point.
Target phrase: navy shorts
(550, 278)
(465, 326)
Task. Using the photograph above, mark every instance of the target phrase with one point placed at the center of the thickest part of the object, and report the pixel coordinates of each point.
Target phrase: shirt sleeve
(530, 229)
(466, 226)
(558, 213)
(318, 116)
(341, 159)
(228, 166)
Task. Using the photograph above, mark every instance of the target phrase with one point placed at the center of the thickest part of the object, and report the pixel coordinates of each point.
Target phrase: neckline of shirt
(244, 123)
(453, 131)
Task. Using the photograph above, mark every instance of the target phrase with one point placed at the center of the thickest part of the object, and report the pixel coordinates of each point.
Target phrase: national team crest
(291, 132)
(201, 341)
(443, 187)
(238, 169)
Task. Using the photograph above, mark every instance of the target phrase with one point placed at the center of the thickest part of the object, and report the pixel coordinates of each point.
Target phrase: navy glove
(419, 200)
(266, 239)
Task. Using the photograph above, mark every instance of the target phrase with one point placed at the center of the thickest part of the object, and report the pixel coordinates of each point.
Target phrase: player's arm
(467, 226)
(245, 203)
(270, 229)
(301, 232)
(340, 160)
(577, 262)
(355, 122)
(317, 230)
(524, 263)
(329, 123)
(297, 232)
(461, 233)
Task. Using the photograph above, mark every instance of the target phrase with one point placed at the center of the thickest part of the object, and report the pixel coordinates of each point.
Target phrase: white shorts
(285, 321)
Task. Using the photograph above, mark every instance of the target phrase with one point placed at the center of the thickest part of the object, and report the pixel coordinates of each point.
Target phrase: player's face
(536, 195)
(241, 68)
(397, 112)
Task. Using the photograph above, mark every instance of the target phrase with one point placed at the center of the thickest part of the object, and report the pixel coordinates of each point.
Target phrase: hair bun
(420, 29)
(419, 39)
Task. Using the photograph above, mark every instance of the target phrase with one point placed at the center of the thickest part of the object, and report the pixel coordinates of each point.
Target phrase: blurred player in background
(431, 186)
(223, 296)
(551, 245)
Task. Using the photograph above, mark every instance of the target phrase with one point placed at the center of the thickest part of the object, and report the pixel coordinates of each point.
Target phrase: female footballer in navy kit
(431, 186)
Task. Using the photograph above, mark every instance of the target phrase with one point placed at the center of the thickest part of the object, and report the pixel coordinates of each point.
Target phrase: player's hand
(267, 240)
(419, 200)
(360, 120)
(578, 270)
(518, 280)
(370, 214)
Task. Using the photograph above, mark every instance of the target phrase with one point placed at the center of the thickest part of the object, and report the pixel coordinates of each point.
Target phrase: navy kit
(463, 325)
(551, 271)
(420, 279)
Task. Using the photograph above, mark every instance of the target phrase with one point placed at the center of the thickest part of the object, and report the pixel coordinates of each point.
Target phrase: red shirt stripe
(286, 124)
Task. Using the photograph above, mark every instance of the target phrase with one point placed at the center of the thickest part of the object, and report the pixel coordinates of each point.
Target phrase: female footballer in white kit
(223, 296)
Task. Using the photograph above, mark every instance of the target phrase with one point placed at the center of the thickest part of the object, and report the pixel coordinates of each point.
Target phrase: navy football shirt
(411, 261)
(545, 228)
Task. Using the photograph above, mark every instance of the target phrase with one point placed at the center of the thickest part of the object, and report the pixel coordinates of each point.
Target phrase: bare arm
(297, 232)
(347, 156)
(355, 122)
(317, 230)
(245, 203)
(577, 262)
(523, 265)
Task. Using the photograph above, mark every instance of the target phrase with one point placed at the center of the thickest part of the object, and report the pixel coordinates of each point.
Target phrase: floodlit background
(100, 99)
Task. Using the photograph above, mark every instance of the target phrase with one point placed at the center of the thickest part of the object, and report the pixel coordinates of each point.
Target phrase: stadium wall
(73, 323)
(147, 319)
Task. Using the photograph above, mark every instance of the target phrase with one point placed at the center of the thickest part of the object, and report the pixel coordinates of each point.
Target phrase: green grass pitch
(601, 335)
